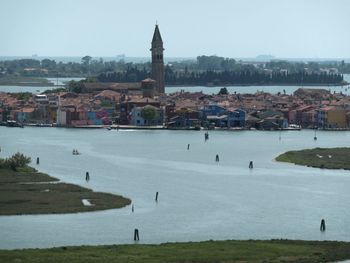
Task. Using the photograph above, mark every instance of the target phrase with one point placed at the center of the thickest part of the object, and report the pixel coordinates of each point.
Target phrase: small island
(23, 190)
(329, 158)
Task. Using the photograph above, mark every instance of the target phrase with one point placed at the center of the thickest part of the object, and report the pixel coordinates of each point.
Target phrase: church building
(148, 87)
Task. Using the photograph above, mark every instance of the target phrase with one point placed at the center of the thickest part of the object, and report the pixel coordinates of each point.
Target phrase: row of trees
(51, 68)
(93, 67)
(249, 77)
(131, 74)
(210, 77)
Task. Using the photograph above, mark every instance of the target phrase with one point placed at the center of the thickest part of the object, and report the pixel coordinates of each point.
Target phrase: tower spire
(157, 38)
(157, 60)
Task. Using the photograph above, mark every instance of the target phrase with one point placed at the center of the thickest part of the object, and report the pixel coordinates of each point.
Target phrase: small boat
(12, 123)
(75, 152)
(44, 125)
(293, 127)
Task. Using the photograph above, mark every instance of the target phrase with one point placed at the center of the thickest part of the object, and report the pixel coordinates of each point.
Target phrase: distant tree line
(203, 69)
(211, 77)
(131, 74)
(51, 68)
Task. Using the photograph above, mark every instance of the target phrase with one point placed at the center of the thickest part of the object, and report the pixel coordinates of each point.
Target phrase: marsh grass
(208, 251)
(329, 158)
(27, 191)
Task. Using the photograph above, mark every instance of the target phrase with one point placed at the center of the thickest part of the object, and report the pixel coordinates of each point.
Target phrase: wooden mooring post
(136, 235)
(251, 165)
(323, 225)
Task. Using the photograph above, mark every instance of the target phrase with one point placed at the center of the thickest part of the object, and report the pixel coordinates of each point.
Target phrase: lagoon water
(199, 199)
(58, 82)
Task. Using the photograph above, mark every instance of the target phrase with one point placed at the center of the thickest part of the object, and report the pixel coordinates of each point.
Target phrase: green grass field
(208, 251)
(29, 192)
(330, 158)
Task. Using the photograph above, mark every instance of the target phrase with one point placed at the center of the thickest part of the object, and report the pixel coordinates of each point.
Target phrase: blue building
(222, 117)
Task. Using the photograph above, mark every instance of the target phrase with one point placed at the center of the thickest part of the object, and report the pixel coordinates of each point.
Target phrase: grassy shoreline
(329, 158)
(206, 251)
(27, 191)
(25, 81)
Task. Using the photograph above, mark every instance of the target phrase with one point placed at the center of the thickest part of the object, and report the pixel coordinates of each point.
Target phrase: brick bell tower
(158, 61)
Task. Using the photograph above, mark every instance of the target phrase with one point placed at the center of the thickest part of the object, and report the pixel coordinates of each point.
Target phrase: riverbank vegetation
(23, 190)
(208, 251)
(330, 158)
(24, 81)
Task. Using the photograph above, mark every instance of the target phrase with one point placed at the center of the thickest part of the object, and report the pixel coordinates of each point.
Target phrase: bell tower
(158, 61)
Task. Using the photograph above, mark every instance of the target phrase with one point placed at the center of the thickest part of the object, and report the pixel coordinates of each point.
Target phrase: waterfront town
(229, 143)
(135, 105)
(145, 104)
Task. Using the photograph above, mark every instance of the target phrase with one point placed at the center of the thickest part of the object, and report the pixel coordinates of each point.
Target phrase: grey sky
(230, 28)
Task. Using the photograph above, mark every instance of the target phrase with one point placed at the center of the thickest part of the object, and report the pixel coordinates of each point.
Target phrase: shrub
(15, 161)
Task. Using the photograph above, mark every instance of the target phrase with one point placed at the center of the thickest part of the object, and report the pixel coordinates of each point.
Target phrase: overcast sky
(230, 28)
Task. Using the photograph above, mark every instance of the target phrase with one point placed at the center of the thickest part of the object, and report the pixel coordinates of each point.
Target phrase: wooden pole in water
(323, 225)
(251, 165)
(156, 196)
(315, 137)
(136, 235)
(132, 208)
(37, 160)
(188, 146)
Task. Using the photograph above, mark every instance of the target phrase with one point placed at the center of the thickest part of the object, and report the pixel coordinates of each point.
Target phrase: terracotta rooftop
(148, 80)
(108, 94)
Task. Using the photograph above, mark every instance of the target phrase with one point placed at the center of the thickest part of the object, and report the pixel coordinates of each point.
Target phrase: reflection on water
(199, 199)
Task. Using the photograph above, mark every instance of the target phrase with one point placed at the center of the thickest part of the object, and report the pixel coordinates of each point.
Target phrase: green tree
(15, 161)
(223, 91)
(48, 64)
(75, 86)
(86, 60)
(149, 113)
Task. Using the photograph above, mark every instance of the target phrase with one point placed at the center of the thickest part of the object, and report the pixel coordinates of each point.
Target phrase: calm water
(37, 89)
(198, 198)
(62, 81)
(206, 90)
(254, 89)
